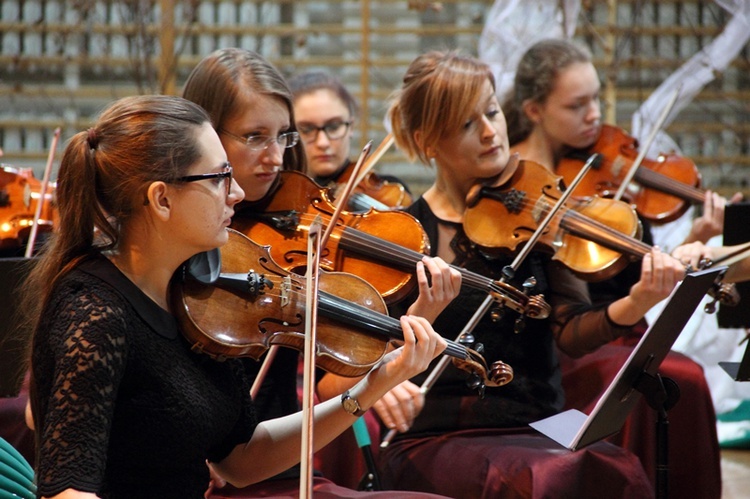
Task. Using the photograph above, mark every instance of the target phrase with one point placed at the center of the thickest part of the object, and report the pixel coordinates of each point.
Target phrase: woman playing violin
(251, 108)
(553, 108)
(460, 445)
(122, 406)
(325, 114)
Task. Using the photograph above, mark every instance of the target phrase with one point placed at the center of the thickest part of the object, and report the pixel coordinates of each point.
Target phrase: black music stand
(638, 376)
(13, 351)
(736, 231)
(739, 371)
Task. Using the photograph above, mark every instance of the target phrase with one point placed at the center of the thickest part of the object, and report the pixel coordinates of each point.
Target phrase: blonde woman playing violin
(446, 114)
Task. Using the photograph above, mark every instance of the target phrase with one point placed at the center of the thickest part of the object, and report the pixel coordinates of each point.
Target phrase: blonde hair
(439, 92)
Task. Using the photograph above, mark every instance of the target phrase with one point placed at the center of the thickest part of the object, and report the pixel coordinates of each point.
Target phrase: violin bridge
(286, 287)
(541, 208)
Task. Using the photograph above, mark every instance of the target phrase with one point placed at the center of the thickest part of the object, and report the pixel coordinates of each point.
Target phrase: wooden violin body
(284, 221)
(662, 189)
(594, 237)
(373, 187)
(381, 247)
(20, 194)
(255, 304)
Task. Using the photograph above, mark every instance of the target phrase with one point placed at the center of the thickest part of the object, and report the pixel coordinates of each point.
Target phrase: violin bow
(342, 199)
(339, 204)
(42, 194)
(643, 149)
(311, 321)
(508, 273)
(735, 256)
(376, 155)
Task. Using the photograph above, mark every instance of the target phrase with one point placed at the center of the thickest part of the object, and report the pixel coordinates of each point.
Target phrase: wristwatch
(351, 405)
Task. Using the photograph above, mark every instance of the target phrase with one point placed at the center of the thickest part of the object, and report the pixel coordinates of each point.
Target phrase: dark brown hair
(312, 81)
(535, 79)
(104, 177)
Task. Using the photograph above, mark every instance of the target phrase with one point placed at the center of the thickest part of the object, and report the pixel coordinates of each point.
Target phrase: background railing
(61, 62)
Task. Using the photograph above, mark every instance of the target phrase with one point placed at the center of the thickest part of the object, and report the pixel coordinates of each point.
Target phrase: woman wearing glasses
(325, 116)
(251, 108)
(123, 406)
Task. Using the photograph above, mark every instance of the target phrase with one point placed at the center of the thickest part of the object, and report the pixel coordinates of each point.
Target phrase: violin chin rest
(474, 195)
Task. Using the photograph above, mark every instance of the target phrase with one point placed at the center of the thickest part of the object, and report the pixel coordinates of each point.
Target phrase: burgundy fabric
(13, 423)
(694, 460)
(342, 461)
(693, 457)
(500, 464)
(322, 489)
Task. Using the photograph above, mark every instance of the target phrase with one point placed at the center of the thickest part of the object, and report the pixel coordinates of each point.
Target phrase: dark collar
(161, 321)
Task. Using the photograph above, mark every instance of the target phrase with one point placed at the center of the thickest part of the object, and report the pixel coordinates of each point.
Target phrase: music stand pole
(661, 394)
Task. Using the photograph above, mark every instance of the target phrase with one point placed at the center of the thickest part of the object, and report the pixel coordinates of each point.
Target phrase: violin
(595, 237)
(237, 302)
(19, 196)
(662, 189)
(381, 247)
(373, 192)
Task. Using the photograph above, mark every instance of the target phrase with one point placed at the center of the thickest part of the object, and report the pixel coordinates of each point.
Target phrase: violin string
(358, 315)
(571, 219)
(669, 185)
(388, 251)
(623, 242)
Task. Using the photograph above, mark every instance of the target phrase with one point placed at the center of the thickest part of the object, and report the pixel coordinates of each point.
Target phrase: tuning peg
(710, 307)
(529, 285)
(474, 382)
(497, 313)
(467, 339)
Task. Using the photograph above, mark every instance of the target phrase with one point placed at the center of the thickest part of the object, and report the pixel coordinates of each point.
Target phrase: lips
(491, 151)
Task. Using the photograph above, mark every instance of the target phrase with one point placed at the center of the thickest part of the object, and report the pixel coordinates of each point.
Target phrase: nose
(273, 154)
(488, 129)
(321, 139)
(594, 112)
(236, 194)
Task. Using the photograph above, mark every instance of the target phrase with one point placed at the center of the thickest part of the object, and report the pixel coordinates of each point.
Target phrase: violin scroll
(481, 376)
(722, 292)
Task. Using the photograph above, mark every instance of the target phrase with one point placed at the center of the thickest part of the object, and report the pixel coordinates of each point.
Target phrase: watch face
(350, 405)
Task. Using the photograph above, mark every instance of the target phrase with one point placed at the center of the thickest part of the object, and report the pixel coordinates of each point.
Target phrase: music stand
(638, 375)
(736, 231)
(739, 371)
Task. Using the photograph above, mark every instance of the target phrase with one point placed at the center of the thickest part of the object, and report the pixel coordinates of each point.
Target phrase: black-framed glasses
(261, 142)
(225, 174)
(334, 130)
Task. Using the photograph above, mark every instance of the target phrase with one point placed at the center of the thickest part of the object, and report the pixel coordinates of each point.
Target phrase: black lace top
(123, 407)
(536, 391)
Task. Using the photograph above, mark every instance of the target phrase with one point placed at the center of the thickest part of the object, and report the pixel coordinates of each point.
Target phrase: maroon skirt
(495, 464)
(322, 489)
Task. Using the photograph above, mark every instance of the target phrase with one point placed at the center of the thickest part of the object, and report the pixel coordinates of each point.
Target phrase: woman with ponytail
(123, 407)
